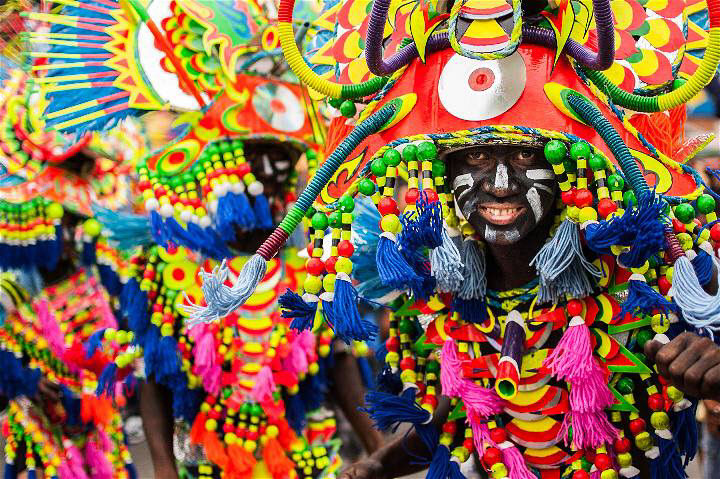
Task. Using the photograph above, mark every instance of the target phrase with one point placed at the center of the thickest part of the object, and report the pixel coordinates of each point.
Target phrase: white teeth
(502, 211)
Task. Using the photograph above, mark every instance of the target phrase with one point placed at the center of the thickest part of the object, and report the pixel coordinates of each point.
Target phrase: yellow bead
(361, 348)
(573, 212)
(686, 241)
(272, 431)
(392, 357)
(313, 369)
(328, 282)
(609, 474)
(642, 269)
(166, 329)
(445, 439)
(250, 446)
(408, 376)
(498, 470)
(390, 223)
(428, 408)
(587, 214)
(312, 284)
(230, 438)
(344, 265)
(660, 420)
(324, 350)
(211, 425)
(643, 441)
(624, 459)
(675, 394)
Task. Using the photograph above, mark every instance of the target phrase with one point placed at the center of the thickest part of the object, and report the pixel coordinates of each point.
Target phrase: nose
(501, 185)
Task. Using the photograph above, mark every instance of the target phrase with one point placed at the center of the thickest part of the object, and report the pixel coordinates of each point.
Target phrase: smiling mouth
(501, 214)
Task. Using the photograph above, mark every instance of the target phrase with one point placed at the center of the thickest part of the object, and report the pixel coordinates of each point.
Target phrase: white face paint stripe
(541, 174)
(463, 180)
(491, 234)
(501, 177)
(266, 165)
(533, 198)
(542, 187)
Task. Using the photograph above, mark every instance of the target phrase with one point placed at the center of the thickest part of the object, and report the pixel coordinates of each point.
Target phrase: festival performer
(51, 304)
(552, 233)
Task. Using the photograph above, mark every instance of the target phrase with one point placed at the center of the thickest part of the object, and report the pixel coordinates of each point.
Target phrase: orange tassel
(242, 462)
(286, 434)
(276, 460)
(86, 413)
(214, 450)
(198, 428)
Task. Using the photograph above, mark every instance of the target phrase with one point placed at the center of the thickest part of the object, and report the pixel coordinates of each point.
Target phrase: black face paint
(271, 163)
(502, 190)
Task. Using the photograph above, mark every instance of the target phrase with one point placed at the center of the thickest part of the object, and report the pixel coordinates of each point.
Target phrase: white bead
(255, 188)
(205, 221)
(151, 204)
(237, 187)
(185, 216)
(167, 210)
(221, 189)
(212, 206)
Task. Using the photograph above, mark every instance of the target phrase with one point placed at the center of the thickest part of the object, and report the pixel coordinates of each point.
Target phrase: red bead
(213, 414)
(664, 285)
(387, 206)
(243, 169)
(656, 402)
(637, 426)
(574, 307)
(715, 232)
(580, 474)
(157, 308)
(568, 197)
(469, 445)
(407, 363)
(315, 266)
(583, 198)
(431, 400)
(492, 456)
(421, 387)
(603, 462)
(345, 248)
(605, 207)
(498, 435)
(330, 264)
(144, 185)
(393, 344)
(432, 196)
(227, 427)
(450, 427)
(679, 227)
(622, 445)
(411, 196)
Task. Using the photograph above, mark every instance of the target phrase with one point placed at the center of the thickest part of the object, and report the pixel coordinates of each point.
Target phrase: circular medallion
(279, 107)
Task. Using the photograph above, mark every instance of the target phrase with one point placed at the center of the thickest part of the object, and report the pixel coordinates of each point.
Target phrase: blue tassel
(295, 412)
(72, 406)
(88, 256)
(31, 474)
(210, 242)
(106, 381)
(366, 373)
(311, 392)
(474, 283)
(131, 471)
(389, 411)
(151, 355)
(641, 297)
(55, 249)
(226, 218)
(180, 236)
(685, 431)
(389, 382)
(137, 307)
(393, 269)
(703, 264)
(346, 320)
(699, 309)
(455, 472)
(668, 465)
(263, 215)
(168, 362)
(422, 228)
(293, 306)
(446, 264)
(425, 287)
(639, 228)
(440, 464)
(186, 402)
(126, 230)
(94, 343)
(470, 310)
(157, 228)
(9, 472)
(245, 214)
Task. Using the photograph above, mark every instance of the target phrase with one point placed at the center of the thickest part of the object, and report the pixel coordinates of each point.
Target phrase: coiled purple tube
(602, 60)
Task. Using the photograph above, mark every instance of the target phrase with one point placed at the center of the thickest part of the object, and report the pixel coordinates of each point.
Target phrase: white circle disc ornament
(475, 90)
(279, 107)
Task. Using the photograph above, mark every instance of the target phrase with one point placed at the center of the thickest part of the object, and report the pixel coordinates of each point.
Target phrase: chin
(502, 235)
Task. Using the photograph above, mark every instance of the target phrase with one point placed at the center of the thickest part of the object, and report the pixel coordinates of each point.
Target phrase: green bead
(256, 410)
(392, 157)
(580, 149)
(405, 326)
(347, 203)
(706, 204)
(629, 199)
(335, 219)
(227, 392)
(310, 212)
(555, 151)
(596, 163)
(236, 144)
(625, 386)
(409, 153)
(432, 367)
(427, 151)
(348, 109)
(685, 212)
(438, 168)
(336, 102)
(643, 336)
(570, 165)
(366, 187)
(320, 221)
(615, 182)
(245, 408)
(378, 167)
(225, 147)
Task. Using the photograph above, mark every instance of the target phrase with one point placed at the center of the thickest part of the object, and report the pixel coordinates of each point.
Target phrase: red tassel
(275, 459)
(198, 428)
(286, 434)
(242, 462)
(214, 450)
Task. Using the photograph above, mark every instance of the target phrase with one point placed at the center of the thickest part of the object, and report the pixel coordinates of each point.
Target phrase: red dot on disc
(277, 106)
(178, 274)
(481, 79)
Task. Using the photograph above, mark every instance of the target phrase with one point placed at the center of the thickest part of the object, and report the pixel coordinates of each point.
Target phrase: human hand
(368, 468)
(690, 362)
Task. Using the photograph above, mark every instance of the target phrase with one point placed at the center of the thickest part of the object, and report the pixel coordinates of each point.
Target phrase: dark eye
(476, 158)
(526, 156)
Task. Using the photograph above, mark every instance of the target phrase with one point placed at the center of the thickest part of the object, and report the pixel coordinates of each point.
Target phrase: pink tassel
(451, 365)
(212, 380)
(107, 317)
(75, 461)
(264, 385)
(106, 444)
(481, 436)
(99, 465)
(65, 472)
(515, 463)
(50, 328)
(306, 340)
(296, 361)
(573, 361)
